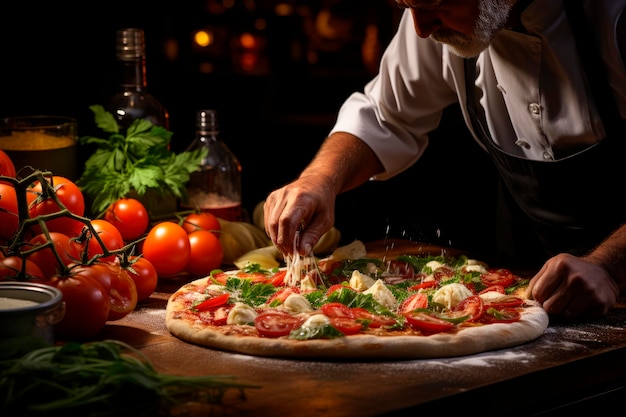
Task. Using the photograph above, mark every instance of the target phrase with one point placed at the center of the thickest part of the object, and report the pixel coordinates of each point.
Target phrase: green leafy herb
(247, 292)
(103, 378)
(137, 162)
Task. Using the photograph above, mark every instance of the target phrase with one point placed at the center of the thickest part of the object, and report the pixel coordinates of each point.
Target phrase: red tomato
(503, 315)
(9, 219)
(275, 323)
(427, 323)
(423, 285)
(11, 268)
(68, 193)
(86, 306)
(130, 217)
(502, 277)
(119, 286)
(110, 236)
(201, 221)
(45, 258)
(145, 276)
(278, 279)
(334, 310)
(213, 302)
(255, 277)
(101, 225)
(346, 325)
(506, 301)
(338, 287)
(206, 253)
(472, 306)
(443, 273)
(413, 302)
(372, 320)
(7, 168)
(167, 247)
(495, 288)
(281, 295)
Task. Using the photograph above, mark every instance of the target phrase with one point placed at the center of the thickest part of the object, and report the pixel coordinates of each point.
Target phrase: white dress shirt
(530, 84)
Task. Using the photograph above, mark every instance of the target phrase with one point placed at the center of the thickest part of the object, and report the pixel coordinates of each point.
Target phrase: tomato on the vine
(45, 258)
(110, 236)
(9, 218)
(68, 194)
(86, 306)
(7, 168)
(167, 247)
(145, 276)
(11, 268)
(129, 216)
(206, 253)
(118, 285)
(201, 221)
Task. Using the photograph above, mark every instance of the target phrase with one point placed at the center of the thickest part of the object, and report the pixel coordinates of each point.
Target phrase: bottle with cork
(216, 186)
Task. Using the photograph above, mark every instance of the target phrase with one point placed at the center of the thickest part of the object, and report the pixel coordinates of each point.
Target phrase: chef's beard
(492, 17)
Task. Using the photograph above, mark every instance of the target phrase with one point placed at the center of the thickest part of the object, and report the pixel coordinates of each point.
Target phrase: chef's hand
(307, 205)
(574, 287)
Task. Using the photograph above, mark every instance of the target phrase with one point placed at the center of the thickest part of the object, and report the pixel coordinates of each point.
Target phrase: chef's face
(466, 26)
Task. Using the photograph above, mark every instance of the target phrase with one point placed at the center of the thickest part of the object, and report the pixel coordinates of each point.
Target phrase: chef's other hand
(306, 205)
(574, 287)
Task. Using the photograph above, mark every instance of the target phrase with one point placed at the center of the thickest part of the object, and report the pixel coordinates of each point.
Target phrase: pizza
(351, 305)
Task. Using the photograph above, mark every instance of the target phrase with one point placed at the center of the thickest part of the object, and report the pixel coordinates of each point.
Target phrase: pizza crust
(466, 341)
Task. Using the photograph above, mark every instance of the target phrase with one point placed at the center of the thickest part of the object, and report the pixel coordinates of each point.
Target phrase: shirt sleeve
(403, 103)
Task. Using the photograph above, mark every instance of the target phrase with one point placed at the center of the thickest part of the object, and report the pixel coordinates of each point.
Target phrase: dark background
(58, 58)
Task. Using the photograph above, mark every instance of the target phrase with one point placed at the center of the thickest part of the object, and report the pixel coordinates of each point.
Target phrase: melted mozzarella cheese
(316, 321)
(307, 284)
(361, 282)
(433, 265)
(296, 303)
(475, 268)
(381, 294)
(241, 314)
(451, 294)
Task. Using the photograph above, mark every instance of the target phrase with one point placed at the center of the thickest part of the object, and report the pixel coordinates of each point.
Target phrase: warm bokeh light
(247, 41)
(203, 38)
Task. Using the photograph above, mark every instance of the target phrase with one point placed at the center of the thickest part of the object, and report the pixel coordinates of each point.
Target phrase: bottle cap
(130, 44)
(206, 121)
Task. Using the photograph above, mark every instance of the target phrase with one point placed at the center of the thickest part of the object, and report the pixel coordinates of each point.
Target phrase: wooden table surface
(570, 362)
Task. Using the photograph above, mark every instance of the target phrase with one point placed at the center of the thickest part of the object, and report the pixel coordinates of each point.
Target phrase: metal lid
(130, 44)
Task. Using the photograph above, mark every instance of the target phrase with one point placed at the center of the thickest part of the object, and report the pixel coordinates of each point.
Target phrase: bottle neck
(132, 74)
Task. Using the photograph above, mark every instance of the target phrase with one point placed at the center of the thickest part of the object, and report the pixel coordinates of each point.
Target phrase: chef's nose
(425, 22)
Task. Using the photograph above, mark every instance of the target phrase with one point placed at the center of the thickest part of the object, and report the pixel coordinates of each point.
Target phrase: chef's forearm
(345, 161)
(611, 254)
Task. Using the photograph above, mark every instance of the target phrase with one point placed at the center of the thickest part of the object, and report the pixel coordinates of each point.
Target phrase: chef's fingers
(533, 281)
(311, 232)
(559, 301)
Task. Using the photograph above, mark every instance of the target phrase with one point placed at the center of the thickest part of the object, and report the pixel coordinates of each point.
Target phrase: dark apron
(567, 205)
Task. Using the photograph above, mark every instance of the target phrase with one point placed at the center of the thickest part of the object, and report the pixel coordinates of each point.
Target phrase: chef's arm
(307, 205)
(611, 255)
(346, 162)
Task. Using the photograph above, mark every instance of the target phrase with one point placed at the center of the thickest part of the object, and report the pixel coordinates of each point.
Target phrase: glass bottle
(216, 187)
(132, 99)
